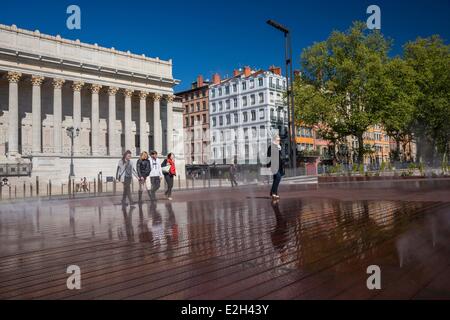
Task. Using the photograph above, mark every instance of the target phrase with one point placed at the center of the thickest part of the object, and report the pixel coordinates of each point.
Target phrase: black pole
(291, 77)
(72, 173)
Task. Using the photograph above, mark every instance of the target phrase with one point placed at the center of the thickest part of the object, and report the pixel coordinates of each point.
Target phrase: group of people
(148, 168)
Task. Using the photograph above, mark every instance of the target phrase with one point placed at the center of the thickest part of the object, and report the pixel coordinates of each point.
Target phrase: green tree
(430, 58)
(399, 111)
(339, 87)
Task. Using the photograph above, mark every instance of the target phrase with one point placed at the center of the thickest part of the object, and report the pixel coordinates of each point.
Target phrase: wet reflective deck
(315, 243)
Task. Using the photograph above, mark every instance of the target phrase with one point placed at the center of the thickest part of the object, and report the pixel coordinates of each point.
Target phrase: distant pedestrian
(143, 169)
(276, 165)
(170, 174)
(124, 174)
(155, 174)
(232, 172)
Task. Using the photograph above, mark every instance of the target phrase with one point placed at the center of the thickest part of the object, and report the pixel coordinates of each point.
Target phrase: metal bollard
(95, 186)
(24, 190)
(37, 186)
(50, 188)
(179, 182)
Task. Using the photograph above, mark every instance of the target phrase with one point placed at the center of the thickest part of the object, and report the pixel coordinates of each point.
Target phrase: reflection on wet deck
(238, 248)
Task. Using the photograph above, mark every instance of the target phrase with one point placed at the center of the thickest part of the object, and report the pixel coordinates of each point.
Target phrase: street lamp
(72, 133)
(290, 91)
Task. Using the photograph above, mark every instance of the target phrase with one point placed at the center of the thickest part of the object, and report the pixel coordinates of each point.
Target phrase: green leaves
(348, 83)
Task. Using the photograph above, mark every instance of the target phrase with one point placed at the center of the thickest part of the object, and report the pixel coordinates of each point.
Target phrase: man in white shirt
(155, 174)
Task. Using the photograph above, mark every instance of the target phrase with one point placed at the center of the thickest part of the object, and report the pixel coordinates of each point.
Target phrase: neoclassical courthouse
(119, 101)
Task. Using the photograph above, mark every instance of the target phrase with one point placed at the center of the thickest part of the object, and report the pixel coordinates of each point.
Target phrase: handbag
(166, 169)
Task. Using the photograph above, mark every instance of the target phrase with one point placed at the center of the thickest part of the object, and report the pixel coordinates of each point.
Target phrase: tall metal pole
(291, 77)
(72, 173)
(286, 59)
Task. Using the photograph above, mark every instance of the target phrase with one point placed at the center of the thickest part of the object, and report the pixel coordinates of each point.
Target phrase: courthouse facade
(118, 100)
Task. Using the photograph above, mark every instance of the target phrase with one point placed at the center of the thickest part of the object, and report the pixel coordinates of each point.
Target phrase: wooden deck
(316, 243)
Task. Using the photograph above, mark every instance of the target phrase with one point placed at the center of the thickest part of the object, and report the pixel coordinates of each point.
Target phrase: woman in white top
(155, 174)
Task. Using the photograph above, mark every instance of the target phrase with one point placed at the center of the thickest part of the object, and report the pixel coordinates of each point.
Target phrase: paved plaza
(223, 243)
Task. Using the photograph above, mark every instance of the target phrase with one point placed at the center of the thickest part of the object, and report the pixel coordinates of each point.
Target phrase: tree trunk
(360, 149)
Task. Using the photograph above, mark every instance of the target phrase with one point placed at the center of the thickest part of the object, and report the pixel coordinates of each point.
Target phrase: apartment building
(196, 122)
(246, 110)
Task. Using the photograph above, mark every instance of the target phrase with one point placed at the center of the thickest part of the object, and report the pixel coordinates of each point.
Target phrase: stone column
(112, 91)
(57, 115)
(170, 123)
(157, 134)
(36, 114)
(129, 138)
(77, 86)
(95, 119)
(13, 114)
(143, 121)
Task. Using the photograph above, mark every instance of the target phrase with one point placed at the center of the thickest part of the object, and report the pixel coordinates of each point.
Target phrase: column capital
(128, 93)
(13, 76)
(143, 95)
(157, 96)
(77, 85)
(58, 83)
(95, 88)
(37, 80)
(112, 91)
(170, 98)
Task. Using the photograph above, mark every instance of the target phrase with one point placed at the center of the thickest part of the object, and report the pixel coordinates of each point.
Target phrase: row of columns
(14, 77)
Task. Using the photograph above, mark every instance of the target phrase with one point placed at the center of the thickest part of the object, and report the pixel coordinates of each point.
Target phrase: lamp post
(72, 133)
(290, 91)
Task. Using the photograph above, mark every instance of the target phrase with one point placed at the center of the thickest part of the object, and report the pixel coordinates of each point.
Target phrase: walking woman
(155, 174)
(276, 165)
(170, 174)
(124, 174)
(143, 169)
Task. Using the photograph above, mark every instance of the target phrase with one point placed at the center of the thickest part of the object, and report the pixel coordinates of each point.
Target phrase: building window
(271, 82)
(228, 105)
(198, 106)
(227, 90)
(204, 105)
(262, 131)
(252, 99)
(260, 82)
(236, 117)
(214, 121)
(271, 97)
(244, 85)
(187, 121)
(245, 116)
(254, 133)
(198, 118)
(261, 97)
(244, 101)
(235, 100)
(220, 106)
(192, 107)
(220, 92)
(187, 108)
(261, 114)
(214, 107)
(221, 121)
(234, 87)
(252, 83)
(204, 118)
(213, 93)
(253, 115)
(228, 119)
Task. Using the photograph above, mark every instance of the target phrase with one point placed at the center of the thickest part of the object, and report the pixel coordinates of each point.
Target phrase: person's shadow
(280, 235)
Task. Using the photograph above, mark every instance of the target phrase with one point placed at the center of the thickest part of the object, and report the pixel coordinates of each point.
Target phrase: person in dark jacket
(169, 176)
(276, 165)
(233, 171)
(125, 172)
(143, 169)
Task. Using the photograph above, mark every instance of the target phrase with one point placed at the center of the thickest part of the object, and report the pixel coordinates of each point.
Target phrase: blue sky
(204, 37)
